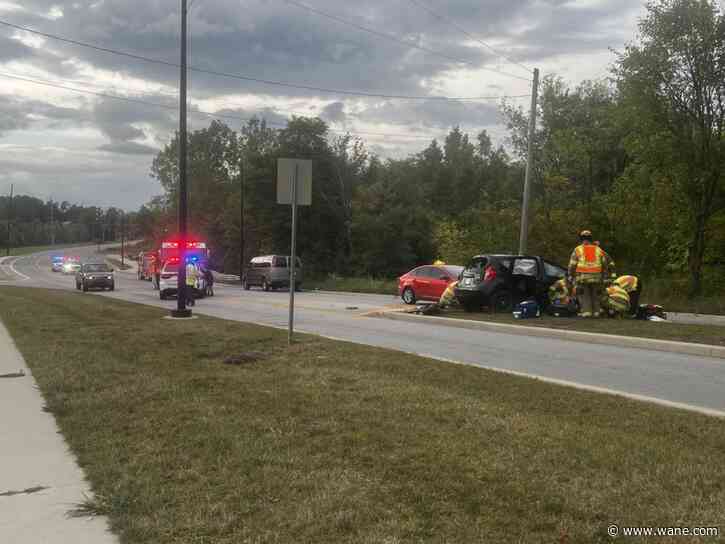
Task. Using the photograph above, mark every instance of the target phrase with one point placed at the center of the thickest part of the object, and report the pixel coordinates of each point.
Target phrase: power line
(200, 112)
(253, 79)
(465, 32)
(396, 39)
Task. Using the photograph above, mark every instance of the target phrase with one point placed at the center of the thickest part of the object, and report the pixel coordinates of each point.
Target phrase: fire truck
(196, 251)
(145, 261)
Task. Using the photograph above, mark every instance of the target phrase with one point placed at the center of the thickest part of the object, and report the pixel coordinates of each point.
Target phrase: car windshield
(171, 268)
(97, 268)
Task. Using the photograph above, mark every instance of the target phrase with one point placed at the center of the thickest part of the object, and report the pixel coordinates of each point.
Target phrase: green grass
(672, 295)
(701, 334)
(27, 250)
(330, 442)
(354, 285)
(117, 263)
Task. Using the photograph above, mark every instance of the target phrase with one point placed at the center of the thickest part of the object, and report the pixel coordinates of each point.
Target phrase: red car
(427, 282)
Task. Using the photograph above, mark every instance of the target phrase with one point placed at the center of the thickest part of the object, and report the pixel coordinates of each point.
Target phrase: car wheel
(408, 296)
(245, 284)
(162, 295)
(502, 302)
(265, 285)
(85, 287)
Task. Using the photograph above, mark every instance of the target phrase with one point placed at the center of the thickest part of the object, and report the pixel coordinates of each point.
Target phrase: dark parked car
(501, 281)
(95, 276)
(427, 282)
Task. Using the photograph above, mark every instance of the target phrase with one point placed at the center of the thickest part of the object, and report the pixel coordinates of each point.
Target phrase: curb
(684, 348)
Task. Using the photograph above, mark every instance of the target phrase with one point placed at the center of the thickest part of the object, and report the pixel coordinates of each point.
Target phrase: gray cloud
(278, 41)
(129, 148)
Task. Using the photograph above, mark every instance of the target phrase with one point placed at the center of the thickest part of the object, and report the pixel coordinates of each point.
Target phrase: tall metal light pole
(523, 238)
(181, 309)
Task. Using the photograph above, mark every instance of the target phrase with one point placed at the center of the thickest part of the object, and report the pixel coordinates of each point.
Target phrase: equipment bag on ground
(527, 309)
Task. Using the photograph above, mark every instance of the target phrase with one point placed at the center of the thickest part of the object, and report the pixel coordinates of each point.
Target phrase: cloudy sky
(96, 149)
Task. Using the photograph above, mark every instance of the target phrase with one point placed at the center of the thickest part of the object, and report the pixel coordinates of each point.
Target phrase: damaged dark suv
(501, 281)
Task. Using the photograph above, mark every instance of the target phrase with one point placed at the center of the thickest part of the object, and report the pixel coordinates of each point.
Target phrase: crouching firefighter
(633, 286)
(587, 265)
(562, 298)
(616, 301)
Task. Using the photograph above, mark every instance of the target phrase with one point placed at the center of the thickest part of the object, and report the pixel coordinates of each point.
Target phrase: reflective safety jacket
(616, 299)
(628, 283)
(448, 295)
(587, 262)
(191, 275)
(559, 293)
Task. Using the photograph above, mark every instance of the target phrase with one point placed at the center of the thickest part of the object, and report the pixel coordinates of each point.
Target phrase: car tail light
(489, 274)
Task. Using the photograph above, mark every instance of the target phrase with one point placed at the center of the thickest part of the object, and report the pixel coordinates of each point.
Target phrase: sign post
(294, 186)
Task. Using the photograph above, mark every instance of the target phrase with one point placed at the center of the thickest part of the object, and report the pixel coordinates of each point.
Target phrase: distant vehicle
(71, 265)
(169, 280)
(427, 282)
(95, 276)
(271, 272)
(56, 264)
(501, 281)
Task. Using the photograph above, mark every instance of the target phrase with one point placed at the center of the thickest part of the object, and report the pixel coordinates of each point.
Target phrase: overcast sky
(55, 143)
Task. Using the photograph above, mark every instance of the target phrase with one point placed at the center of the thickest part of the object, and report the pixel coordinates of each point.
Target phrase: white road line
(12, 267)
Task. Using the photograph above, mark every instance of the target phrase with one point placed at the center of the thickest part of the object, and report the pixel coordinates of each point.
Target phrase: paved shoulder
(40, 480)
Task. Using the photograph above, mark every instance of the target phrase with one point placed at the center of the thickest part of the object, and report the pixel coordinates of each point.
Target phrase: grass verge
(27, 250)
(117, 263)
(353, 285)
(334, 442)
(678, 332)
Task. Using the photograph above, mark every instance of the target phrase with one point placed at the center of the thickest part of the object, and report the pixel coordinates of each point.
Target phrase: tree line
(30, 221)
(636, 157)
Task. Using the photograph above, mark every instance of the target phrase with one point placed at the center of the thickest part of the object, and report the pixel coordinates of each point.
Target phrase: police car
(169, 278)
(56, 263)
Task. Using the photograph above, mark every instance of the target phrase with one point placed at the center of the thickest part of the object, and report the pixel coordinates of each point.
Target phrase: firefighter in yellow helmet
(615, 301)
(587, 266)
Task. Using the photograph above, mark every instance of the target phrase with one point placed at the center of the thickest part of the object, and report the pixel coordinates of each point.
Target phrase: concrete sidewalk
(40, 481)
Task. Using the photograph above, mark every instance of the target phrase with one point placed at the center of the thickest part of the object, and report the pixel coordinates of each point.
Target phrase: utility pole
(242, 180)
(52, 225)
(523, 238)
(181, 309)
(122, 251)
(10, 210)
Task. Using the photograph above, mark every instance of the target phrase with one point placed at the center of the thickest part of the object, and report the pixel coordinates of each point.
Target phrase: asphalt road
(698, 382)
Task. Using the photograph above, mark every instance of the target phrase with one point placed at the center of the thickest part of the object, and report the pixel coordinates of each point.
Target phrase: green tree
(673, 84)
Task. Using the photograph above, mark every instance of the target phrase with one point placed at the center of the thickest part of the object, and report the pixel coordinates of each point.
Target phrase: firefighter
(588, 266)
(155, 272)
(633, 286)
(611, 267)
(615, 301)
(191, 279)
(448, 297)
(562, 298)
